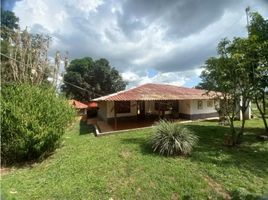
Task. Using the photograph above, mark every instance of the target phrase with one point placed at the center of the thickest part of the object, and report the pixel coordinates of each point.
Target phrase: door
(141, 109)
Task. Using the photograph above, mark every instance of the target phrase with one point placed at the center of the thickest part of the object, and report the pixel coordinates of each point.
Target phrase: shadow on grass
(144, 144)
(250, 155)
(85, 128)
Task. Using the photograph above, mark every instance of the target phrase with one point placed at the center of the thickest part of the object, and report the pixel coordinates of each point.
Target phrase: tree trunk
(262, 113)
(241, 132)
(233, 131)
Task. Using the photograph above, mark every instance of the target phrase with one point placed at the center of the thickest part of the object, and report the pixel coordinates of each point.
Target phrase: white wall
(106, 108)
(102, 112)
(205, 108)
(150, 108)
(185, 107)
(110, 110)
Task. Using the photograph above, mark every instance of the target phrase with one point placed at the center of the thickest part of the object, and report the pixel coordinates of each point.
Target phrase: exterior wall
(102, 112)
(185, 107)
(110, 110)
(205, 109)
(188, 109)
(247, 113)
(150, 108)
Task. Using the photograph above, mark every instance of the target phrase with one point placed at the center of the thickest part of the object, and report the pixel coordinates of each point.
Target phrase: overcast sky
(162, 41)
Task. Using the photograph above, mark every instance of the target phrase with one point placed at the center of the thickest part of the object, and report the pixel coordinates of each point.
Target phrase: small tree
(227, 74)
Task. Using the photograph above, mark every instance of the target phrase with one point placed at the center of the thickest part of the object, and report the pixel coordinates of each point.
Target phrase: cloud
(173, 38)
(173, 78)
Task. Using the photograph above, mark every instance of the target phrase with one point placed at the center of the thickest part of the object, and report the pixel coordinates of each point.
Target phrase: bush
(33, 121)
(172, 139)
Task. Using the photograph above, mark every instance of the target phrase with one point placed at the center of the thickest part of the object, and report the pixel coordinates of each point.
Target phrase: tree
(258, 35)
(229, 74)
(9, 20)
(93, 78)
(24, 58)
(240, 70)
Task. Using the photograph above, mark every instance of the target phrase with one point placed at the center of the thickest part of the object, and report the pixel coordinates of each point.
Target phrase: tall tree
(258, 35)
(93, 78)
(23, 55)
(9, 20)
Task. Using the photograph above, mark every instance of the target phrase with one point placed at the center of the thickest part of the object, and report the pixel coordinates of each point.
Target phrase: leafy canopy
(9, 20)
(96, 78)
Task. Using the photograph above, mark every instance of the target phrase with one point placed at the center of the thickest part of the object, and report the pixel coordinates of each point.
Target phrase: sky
(147, 41)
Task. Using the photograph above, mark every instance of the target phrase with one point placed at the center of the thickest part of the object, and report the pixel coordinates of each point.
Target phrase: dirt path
(218, 188)
(4, 170)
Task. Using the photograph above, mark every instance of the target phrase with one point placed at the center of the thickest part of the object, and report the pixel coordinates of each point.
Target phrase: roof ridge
(154, 89)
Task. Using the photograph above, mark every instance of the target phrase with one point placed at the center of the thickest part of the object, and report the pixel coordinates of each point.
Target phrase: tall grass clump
(172, 139)
(33, 119)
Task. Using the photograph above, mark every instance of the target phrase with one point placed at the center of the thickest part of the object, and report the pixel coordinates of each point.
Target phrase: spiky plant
(172, 139)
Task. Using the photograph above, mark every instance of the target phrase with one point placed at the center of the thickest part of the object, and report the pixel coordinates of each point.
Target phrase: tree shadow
(85, 128)
(144, 144)
(210, 149)
(247, 156)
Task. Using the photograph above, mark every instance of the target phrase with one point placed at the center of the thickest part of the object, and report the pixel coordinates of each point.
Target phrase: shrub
(33, 121)
(172, 139)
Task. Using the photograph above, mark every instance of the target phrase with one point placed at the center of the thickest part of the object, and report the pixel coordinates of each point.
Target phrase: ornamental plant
(172, 139)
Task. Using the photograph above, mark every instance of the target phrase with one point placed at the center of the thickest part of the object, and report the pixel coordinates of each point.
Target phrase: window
(160, 105)
(122, 106)
(200, 105)
(209, 103)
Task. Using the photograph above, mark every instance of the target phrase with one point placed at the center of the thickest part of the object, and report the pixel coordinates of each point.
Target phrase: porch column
(115, 116)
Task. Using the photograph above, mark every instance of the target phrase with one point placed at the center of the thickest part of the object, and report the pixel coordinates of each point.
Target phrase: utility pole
(247, 13)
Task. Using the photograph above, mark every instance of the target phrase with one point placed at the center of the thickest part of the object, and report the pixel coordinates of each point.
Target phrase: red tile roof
(92, 104)
(152, 91)
(77, 104)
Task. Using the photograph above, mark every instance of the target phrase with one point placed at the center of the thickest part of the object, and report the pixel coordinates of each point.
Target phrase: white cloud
(135, 36)
(172, 78)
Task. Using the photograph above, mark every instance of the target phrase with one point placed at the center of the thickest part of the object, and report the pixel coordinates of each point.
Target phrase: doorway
(141, 109)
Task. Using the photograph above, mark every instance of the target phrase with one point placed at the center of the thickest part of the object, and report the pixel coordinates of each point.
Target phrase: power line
(76, 86)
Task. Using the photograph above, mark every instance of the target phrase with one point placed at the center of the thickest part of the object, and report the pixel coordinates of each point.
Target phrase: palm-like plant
(172, 139)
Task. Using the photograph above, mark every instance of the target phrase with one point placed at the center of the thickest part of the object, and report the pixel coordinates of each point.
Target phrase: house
(157, 101)
(80, 107)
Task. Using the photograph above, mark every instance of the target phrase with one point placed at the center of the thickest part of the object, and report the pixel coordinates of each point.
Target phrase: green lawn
(122, 166)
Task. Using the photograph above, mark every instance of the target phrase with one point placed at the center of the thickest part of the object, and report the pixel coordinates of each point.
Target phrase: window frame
(199, 105)
(122, 107)
(210, 103)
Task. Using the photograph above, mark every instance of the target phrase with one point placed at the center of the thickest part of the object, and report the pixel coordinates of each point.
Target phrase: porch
(126, 123)
(123, 115)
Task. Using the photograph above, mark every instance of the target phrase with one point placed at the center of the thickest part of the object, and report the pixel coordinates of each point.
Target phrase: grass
(123, 166)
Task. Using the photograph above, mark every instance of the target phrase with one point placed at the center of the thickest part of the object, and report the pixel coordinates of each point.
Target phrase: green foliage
(240, 70)
(172, 139)
(258, 26)
(243, 194)
(9, 20)
(96, 77)
(122, 166)
(33, 121)
(28, 64)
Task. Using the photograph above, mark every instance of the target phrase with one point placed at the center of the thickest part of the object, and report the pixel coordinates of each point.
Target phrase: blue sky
(147, 41)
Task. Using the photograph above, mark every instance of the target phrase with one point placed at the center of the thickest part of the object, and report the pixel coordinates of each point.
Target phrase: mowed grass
(123, 166)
